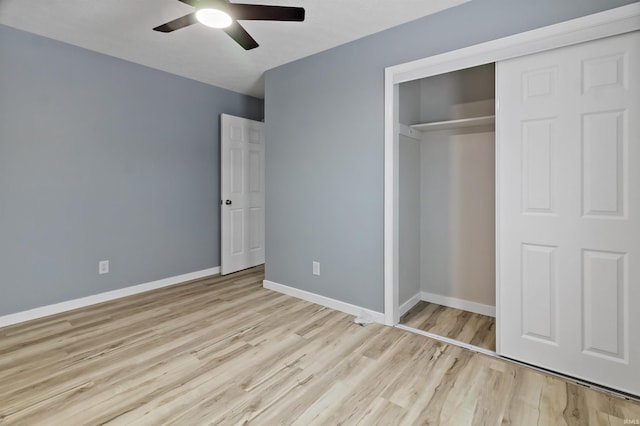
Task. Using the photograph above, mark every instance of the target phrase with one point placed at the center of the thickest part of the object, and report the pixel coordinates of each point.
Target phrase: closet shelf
(455, 124)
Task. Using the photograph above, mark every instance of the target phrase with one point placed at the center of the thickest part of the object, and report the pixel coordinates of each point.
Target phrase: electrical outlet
(316, 268)
(103, 267)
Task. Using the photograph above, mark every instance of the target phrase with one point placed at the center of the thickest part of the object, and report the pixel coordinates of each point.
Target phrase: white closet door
(569, 210)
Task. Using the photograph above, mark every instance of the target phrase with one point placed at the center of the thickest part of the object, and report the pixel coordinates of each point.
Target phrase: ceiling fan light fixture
(213, 18)
(225, 15)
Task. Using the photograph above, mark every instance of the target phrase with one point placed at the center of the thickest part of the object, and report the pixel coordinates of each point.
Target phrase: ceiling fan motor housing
(214, 4)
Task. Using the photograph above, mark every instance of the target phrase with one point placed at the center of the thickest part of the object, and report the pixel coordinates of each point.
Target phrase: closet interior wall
(447, 191)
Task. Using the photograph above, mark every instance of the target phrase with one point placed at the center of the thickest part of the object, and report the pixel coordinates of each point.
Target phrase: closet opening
(446, 205)
(561, 148)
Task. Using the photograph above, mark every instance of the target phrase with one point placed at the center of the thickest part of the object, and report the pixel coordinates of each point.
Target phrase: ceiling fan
(225, 15)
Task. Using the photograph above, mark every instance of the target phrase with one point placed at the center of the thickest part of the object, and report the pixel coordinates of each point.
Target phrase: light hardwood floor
(223, 350)
(467, 327)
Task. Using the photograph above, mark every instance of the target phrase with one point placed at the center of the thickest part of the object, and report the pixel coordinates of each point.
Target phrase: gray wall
(324, 142)
(103, 159)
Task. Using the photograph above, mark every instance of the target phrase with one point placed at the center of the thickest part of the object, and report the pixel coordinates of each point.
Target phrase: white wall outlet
(103, 267)
(316, 268)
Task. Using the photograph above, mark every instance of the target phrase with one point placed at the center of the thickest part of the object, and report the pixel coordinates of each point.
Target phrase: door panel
(236, 217)
(569, 209)
(603, 169)
(242, 193)
(604, 285)
(538, 189)
(539, 292)
(236, 171)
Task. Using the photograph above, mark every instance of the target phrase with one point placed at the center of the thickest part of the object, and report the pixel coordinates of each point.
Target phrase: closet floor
(464, 326)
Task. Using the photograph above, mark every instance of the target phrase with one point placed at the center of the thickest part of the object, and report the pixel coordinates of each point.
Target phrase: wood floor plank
(467, 327)
(224, 350)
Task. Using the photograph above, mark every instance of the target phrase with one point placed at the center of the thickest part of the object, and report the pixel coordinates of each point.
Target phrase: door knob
(228, 202)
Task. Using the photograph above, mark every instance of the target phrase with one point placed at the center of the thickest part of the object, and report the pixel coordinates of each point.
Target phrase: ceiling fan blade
(241, 36)
(255, 12)
(176, 24)
(190, 2)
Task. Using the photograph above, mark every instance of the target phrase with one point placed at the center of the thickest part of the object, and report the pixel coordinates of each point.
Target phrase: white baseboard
(69, 305)
(404, 308)
(454, 302)
(325, 301)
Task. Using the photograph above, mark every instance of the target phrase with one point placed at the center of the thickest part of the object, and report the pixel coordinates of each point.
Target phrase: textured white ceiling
(123, 28)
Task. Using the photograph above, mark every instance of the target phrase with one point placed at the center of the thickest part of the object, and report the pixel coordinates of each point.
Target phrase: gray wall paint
(324, 142)
(103, 159)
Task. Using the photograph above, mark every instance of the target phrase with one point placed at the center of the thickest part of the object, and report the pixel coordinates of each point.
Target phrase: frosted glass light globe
(213, 18)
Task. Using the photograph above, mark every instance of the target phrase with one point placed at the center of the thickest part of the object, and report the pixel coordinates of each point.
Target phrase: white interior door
(242, 193)
(569, 210)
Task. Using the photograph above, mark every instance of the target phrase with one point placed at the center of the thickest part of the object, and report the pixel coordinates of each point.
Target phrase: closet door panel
(569, 210)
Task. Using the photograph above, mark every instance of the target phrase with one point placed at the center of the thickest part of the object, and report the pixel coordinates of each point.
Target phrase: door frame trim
(604, 24)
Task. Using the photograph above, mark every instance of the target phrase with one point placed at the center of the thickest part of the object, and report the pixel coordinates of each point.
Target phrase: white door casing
(242, 193)
(569, 208)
